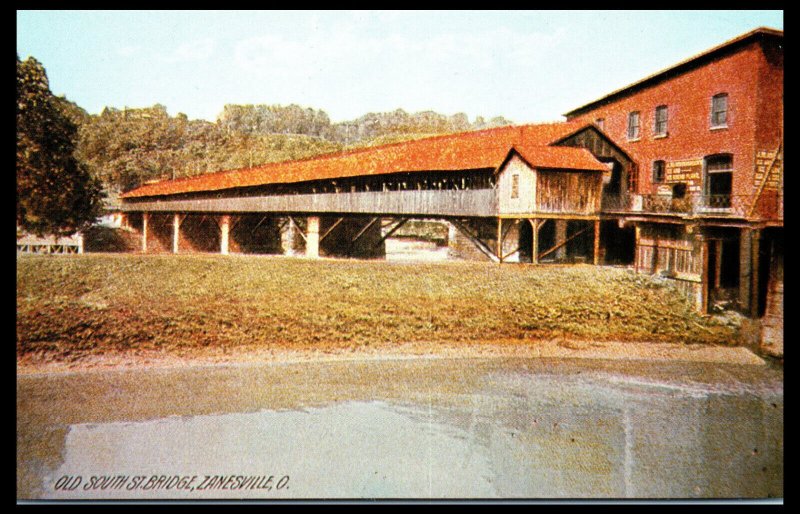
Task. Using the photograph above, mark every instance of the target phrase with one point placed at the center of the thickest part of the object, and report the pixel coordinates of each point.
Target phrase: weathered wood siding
(568, 192)
(667, 248)
(525, 200)
(671, 254)
(602, 148)
(479, 202)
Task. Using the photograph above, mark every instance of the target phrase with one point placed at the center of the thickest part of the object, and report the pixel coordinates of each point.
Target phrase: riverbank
(608, 350)
(83, 309)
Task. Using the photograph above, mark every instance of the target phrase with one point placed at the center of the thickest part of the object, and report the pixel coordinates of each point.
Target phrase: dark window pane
(658, 171)
(719, 110)
(720, 184)
(719, 163)
(719, 180)
(633, 125)
(661, 120)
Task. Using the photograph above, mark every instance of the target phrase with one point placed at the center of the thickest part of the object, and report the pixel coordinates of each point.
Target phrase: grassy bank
(72, 306)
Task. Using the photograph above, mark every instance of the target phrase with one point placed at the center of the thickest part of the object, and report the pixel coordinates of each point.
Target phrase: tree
(55, 192)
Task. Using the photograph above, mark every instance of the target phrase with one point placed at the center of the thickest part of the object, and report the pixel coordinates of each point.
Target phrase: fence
(768, 206)
(29, 243)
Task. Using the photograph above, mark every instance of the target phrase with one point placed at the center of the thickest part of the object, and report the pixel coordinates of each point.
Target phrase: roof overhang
(570, 159)
(447, 153)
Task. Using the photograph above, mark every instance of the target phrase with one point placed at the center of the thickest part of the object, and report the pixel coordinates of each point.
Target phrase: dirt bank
(649, 351)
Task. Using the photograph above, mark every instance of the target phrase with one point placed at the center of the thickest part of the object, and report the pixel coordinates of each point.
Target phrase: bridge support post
(596, 254)
(176, 232)
(312, 237)
(534, 241)
(748, 270)
(288, 233)
(225, 228)
(145, 220)
(500, 239)
(561, 236)
(702, 296)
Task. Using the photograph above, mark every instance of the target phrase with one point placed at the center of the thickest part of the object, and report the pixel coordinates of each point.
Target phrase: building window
(633, 126)
(719, 110)
(660, 128)
(600, 122)
(718, 180)
(679, 191)
(658, 172)
(515, 185)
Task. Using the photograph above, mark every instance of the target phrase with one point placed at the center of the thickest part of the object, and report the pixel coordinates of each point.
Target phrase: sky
(528, 66)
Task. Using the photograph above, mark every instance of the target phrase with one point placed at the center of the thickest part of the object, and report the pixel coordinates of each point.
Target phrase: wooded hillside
(128, 147)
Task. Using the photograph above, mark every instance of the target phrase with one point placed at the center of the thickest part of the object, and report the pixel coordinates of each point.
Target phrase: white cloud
(416, 70)
(197, 50)
(273, 54)
(346, 50)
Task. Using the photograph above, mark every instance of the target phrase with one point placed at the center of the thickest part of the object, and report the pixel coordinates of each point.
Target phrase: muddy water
(421, 428)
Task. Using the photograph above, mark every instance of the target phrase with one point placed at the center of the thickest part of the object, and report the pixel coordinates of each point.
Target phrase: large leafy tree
(55, 192)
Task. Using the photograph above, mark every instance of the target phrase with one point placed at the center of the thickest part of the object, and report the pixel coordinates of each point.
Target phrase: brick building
(706, 199)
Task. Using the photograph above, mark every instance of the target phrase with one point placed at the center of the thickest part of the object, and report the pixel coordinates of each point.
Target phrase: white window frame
(715, 111)
(638, 116)
(665, 121)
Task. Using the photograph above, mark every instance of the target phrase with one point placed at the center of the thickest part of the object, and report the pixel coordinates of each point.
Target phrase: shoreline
(259, 355)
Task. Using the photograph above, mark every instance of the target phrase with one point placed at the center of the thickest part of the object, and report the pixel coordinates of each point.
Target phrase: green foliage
(398, 125)
(75, 113)
(129, 147)
(274, 119)
(55, 192)
(392, 126)
(126, 148)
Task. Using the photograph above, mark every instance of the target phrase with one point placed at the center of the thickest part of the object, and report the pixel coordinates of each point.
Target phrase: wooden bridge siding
(525, 199)
(481, 202)
(600, 146)
(557, 193)
(560, 192)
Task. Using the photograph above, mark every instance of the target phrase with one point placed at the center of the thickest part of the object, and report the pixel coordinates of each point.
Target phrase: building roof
(483, 149)
(681, 67)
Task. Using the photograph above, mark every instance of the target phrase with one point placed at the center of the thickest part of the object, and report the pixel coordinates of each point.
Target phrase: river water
(421, 428)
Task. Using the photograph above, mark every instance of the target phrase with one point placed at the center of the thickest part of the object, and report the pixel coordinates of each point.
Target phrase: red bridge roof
(480, 149)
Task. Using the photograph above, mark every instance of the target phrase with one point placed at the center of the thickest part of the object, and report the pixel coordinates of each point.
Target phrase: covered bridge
(499, 187)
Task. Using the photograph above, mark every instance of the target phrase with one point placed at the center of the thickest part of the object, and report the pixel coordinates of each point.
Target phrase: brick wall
(752, 77)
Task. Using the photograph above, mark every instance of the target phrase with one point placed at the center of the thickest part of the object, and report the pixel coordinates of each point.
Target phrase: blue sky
(528, 66)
